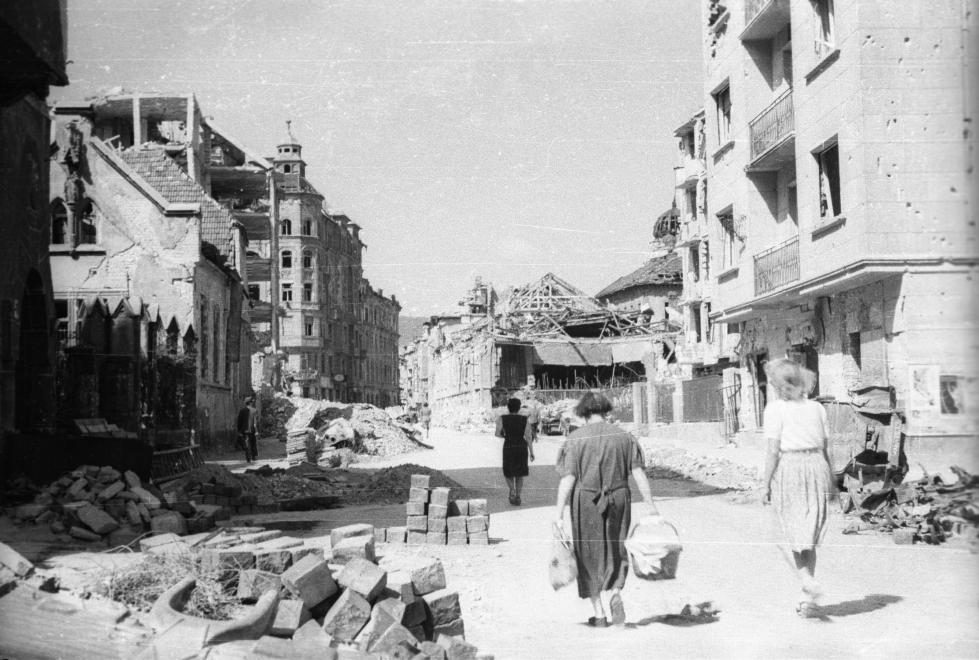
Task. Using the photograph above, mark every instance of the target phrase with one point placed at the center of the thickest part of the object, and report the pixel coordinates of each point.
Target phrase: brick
(455, 628)
(111, 491)
(416, 508)
(455, 524)
(459, 508)
(417, 495)
(146, 497)
(431, 650)
(108, 474)
(417, 523)
(427, 577)
(438, 511)
(477, 524)
(273, 561)
(364, 577)
(310, 580)
(15, 561)
(417, 538)
(399, 586)
(168, 521)
(455, 647)
(347, 617)
(97, 520)
(354, 546)
(380, 535)
(77, 488)
(83, 534)
(478, 507)
(395, 636)
(437, 525)
(252, 583)
(132, 513)
(132, 479)
(144, 512)
(436, 538)
(479, 538)
(443, 606)
(376, 626)
(457, 538)
(340, 533)
(420, 481)
(290, 614)
(439, 496)
(260, 537)
(396, 534)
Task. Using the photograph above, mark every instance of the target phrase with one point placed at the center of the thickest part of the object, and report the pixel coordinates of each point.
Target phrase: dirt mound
(391, 485)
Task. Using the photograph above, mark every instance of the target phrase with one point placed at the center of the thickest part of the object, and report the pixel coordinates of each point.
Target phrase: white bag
(654, 549)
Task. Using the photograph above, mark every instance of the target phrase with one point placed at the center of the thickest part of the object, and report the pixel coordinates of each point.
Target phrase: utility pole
(274, 276)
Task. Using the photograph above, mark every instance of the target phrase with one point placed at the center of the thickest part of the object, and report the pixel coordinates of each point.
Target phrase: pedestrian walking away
(518, 448)
(425, 418)
(597, 462)
(798, 479)
(248, 429)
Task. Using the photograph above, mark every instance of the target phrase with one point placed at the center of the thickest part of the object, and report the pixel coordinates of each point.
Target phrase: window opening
(722, 103)
(287, 258)
(307, 259)
(59, 222)
(307, 292)
(285, 227)
(829, 182)
(286, 292)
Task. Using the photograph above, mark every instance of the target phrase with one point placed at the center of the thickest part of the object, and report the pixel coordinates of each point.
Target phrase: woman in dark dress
(598, 459)
(518, 446)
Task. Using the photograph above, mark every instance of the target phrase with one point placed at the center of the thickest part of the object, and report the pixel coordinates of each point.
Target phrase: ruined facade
(32, 58)
(836, 203)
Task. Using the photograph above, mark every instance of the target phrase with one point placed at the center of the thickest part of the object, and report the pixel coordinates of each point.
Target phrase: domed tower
(288, 157)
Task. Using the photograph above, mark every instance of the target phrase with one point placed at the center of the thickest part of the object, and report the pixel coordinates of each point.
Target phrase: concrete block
(479, 538)
(456, 524)
(289, 616)
(97, 520)
(394, 637)
(252, 583)
(443, 606)
(399, 586)
(83, 534)
(340, 533)
(354, 546)
(364, 577)
(111, 491)
(416, 508)
(427, 576)
(146, 497)
(478, 507)
(437, 525)
(477, 524)
(417, 495)
(439, 496)
(417, 523)
(347, 617)
(273, 561)
(417, 538)
(437, 511)
(457, 538)
(132, 479)
(379, 622)
(310, 580)
(396, 534)
(168, 521)
(420, 481)
(436, 538)
(459, 508)
(455, 647)
(454, 628)
(15, 561)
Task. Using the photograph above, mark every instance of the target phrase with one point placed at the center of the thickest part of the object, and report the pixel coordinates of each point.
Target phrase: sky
(495, 138)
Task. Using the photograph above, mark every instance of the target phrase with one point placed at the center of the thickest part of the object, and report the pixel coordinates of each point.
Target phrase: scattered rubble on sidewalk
(716, 472)
(926, 510)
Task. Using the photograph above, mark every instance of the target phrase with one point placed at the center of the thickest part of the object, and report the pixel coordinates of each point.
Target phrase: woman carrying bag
(598, 460)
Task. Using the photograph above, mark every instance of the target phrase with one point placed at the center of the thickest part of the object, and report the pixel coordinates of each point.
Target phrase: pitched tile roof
(166, 177)
(658, 270)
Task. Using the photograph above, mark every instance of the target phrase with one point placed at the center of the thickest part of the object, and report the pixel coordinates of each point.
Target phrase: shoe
(513, 499)
(598, 622)
(618, 610)
(806, 610)
(516, 500)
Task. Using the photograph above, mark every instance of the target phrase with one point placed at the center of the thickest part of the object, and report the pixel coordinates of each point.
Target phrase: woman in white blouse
(798, 479)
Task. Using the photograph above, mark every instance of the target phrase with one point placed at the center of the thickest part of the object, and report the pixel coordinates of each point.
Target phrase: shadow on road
(868, 603)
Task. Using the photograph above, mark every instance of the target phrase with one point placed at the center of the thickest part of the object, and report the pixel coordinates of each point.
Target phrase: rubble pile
(471, 421)
(321, 596)
(435, 519)
(379, 434)
(927, 510)
(716, 472)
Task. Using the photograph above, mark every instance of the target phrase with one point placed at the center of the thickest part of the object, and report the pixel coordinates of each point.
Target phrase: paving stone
(415, 613)
(235, 558)
(437, 525)
(268, 646)
(290, 614)
(396, 534)
(438, 511)
(15, 561)
(903, 536)
(108, 473)
(168, 521)
(455, 647)
(417, 523)
(83, 534)
(252, 583)
(115, 507)
(348, 531)
(379, 622)
(395, 636)
(273, 561)
(310, 580)
(416, 509)
(307, 551)
(111, 490)
(146, 497)
(417, 538)
(97, 520)
(477, 523)
(436, 538)
(312, 632)
(281, 543)
(132, 479)
(479, 538)
(427, 576)
(418, 632)
(456, 524)
(443, 606)
(349, 614)
(478, 507)
(457, 538)
(146, 544)
(364, 577)
(393, 607)
(439, 497)
(420, 481)
(380, 535)
(354, 546)
(456, 628)
(432, 650)
(399, 586)
(260, 537)
(417, 495)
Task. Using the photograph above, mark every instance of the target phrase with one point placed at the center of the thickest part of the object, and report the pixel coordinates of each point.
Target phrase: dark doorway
(758, 363)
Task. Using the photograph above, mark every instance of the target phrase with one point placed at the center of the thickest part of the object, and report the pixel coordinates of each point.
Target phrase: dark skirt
(515, 460)
(599, 540)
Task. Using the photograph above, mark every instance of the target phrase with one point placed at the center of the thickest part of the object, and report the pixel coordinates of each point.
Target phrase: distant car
(550, 424)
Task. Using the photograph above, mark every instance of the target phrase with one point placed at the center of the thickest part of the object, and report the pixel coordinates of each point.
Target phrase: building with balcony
(837, 202)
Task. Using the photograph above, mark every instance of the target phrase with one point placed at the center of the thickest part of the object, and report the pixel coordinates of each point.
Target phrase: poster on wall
(924, 388)
(938, 402)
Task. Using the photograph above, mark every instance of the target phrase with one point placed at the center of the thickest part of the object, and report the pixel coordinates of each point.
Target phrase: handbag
(563, 568)
(654, 549)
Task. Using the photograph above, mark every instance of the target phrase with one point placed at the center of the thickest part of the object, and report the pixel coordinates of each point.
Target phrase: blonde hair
(790, 381)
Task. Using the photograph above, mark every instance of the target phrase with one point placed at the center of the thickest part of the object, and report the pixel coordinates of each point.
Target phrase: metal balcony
(763, 19)
(772, 135)
(777, 266)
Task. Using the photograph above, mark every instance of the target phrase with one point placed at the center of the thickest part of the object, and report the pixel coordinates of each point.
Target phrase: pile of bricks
(333, 597)
(436, 519)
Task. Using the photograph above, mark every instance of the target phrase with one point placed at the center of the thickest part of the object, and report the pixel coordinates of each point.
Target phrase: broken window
(286, 292)
(59, 222)
(730, 246)
(61, 314)
(307, 292)
(824, 40)
(285, 227)
(254, 292)
(307, 259)
(722, 104)
(88, 230)
(828, 161)
(287, 258)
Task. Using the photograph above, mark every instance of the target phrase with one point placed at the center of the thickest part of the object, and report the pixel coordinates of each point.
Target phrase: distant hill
(410, 328)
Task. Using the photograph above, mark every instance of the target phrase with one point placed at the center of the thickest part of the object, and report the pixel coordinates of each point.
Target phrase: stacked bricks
(434, 518)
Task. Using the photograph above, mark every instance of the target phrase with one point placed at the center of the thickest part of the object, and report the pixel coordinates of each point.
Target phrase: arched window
(287, 258)
(88, 227)
(307, 259)
(307, 227)
(285, 227)
(59, 222)
(287, 169)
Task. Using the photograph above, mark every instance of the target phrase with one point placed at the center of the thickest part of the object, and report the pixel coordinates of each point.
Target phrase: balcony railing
(772, 126)
(763, 19)
(777, 266)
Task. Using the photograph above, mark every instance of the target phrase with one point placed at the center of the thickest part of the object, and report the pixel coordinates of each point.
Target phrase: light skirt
(801, 490)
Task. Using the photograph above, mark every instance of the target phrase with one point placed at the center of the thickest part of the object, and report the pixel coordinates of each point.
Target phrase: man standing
(530, 408)
(425, 418)
(248, 429)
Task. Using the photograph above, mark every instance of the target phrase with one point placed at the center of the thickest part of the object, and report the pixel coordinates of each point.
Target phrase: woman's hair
(513, 405)
(790, 381)
(592, 403)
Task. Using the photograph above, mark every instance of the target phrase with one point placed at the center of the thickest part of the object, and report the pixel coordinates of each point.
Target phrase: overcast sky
(502, 138)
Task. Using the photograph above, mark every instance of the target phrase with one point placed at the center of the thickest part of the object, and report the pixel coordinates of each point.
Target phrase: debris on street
(712, 471)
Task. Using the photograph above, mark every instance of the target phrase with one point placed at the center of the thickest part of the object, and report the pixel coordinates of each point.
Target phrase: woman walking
(798, 478)
(598, 459)
(518, 446)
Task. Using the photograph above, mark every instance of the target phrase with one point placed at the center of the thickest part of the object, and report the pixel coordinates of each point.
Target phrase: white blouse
(798, 425)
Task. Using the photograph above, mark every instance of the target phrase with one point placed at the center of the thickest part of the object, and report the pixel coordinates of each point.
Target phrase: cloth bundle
(654, 549)
(563, 569)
